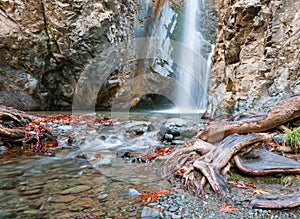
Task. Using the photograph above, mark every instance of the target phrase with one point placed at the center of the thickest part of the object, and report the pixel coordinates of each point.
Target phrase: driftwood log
(236, 142)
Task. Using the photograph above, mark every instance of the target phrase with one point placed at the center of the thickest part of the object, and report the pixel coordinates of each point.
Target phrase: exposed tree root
(205, 163)
(182, 155)
(211, 163)
(276, 201)
(262, 162)
(287, 111)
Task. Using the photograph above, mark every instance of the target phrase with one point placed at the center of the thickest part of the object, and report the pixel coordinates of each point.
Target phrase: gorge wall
(45, 45)
(256, 63)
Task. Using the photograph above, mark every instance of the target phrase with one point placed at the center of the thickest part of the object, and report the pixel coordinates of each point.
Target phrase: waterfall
(194, 61)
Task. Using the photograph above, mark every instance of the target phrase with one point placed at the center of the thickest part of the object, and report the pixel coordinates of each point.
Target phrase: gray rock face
(256, 59)
(45, 45)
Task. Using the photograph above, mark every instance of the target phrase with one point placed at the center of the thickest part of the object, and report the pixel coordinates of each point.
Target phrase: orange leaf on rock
(244, 185)
(226, 208)
(181, 171)
(147, 197)
(260, 191)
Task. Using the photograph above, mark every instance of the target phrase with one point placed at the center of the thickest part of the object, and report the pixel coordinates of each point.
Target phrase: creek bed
(72, 184)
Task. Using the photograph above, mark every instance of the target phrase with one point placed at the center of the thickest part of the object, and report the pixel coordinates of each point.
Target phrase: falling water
(194, 59)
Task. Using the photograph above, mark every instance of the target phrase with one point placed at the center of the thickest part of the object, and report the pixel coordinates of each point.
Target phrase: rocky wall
(257, 55)
(45, 45)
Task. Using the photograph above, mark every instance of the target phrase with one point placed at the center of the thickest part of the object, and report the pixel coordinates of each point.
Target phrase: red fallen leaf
(181, 171)
(244, 185)
(147, 197)
(159, 151)
(226, 208)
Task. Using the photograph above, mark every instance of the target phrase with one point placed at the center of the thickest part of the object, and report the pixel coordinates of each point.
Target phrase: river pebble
(150, 213)
(76, 189)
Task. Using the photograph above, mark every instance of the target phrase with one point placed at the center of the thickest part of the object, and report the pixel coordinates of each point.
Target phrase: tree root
(181, 156)
(209, 167)
(276, 201)
(287, 111)
(262, 162)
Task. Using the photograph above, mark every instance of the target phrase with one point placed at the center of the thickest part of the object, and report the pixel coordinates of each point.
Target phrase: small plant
(292, 138)
(25, 145)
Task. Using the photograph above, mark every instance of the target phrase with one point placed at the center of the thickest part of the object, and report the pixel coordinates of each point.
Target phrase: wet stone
(76, 189)
(102, 196)
(173, 208)
(7, 214)
(33, 214)
(64, 199)
(148, 213)
(7, 184)
(132, 192)
(32, 192)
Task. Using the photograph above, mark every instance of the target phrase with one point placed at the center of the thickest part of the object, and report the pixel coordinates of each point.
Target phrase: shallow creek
(88, 177)
(68, 184)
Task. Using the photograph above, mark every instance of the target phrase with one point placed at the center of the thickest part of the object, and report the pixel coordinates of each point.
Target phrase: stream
(93, 176)
(73, 183)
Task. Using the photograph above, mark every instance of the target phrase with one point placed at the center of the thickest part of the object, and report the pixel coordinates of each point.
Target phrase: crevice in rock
(49, 38)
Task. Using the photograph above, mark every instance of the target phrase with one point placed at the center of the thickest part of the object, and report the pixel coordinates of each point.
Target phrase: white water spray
(192, 95)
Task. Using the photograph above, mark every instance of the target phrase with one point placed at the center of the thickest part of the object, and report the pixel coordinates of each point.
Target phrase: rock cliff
(45, 45)
(257, 55)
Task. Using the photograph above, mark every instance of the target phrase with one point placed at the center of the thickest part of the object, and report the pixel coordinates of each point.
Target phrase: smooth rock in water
(76, 189)
(177, 128)
(65, 128)
(102, 196)
(148, 213)
(132, 192)
(5, 215)
(168, 137)
(138, 127)
(64, 199)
